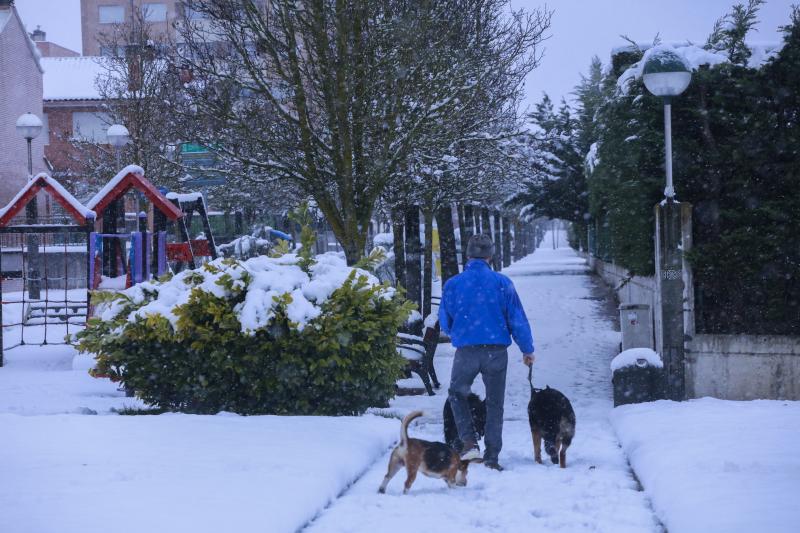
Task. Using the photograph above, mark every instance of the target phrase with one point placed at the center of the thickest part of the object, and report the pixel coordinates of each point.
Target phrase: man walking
(481, 312)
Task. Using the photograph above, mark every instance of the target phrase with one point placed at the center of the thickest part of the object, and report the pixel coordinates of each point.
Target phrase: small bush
(256, 337)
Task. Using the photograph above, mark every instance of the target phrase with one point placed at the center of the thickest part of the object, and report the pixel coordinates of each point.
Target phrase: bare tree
(342, 97)
(137, 89)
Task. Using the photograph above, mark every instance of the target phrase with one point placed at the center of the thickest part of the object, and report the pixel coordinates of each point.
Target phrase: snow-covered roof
(185, 197)
(130, 169)
(47, 183)
(132, 177)
(71, 78)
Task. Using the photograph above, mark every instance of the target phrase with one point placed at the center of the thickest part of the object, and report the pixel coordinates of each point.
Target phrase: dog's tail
(404, 426)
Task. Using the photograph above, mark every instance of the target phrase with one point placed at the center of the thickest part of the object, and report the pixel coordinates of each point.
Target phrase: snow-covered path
(575, 341)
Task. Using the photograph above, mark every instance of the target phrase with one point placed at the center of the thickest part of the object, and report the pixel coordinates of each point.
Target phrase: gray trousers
(491, 362)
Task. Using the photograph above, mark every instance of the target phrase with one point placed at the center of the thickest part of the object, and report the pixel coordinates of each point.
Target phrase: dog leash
(530, 379)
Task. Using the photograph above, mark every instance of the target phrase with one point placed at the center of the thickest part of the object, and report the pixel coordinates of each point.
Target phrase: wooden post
(201, 209)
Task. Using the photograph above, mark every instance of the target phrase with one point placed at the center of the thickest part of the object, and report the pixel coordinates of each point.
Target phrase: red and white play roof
(132, 177)
(44, 182)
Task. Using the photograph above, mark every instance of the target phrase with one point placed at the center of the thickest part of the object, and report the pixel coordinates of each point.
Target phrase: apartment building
(99, 17)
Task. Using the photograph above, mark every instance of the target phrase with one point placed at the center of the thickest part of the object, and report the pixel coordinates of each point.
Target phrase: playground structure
(52, 258)
(145, 249)
(191, 251)
(41, 282)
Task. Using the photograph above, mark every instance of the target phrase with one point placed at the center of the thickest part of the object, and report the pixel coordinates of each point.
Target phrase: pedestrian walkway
(575, 342)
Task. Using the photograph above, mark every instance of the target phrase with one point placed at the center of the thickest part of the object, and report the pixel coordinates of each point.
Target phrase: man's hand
(528, 359)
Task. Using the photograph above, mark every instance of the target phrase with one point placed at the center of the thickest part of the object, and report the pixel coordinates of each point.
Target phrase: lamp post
(118, 136)
(667, 75)
(29, 126)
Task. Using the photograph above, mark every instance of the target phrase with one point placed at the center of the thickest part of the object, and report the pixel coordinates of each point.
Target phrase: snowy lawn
(40, 380)
(64, 471)
(716, 466)
(176, 473)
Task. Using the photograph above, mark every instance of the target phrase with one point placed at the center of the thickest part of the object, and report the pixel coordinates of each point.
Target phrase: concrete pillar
(670, 329)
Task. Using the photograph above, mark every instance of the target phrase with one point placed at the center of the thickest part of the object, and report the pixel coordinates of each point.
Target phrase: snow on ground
(65, 471)
(716, 466)
(179, 473)
(40, 380)
(597, 492)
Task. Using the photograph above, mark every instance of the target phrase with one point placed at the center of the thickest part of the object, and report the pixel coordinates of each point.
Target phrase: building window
(154, 12)
(112, 51)
(111, 14)
(90, 127)
(190, 12)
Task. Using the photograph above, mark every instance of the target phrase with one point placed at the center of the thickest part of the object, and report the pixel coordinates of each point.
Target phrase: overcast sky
(580, 30)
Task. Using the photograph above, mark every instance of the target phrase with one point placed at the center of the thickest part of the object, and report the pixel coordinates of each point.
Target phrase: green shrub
(201, 356)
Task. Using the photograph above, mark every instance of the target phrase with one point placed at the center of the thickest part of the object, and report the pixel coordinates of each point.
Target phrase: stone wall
(730, 367)
(743, 367)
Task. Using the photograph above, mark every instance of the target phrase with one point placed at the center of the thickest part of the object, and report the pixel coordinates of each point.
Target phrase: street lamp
(29, 126)
(118, 136)
(667, 75)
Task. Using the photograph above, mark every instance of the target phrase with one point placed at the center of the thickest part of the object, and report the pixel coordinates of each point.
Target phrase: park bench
(419, 352)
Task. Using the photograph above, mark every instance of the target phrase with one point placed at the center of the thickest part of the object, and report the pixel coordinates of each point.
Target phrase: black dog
(477, 408)
(551, 417)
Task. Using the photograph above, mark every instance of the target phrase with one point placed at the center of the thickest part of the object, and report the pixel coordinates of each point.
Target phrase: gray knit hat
(480, 246)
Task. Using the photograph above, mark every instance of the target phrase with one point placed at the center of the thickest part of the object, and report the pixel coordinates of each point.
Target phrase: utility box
(636, 323)
(638, 376)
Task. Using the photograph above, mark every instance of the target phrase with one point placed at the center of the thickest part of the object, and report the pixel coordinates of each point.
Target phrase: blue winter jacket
(480, 306)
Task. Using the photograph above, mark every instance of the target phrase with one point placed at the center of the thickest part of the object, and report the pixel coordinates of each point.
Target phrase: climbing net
(43, 283)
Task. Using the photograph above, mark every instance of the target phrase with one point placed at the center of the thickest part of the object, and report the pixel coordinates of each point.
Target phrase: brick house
(21, 90)
(73, 108)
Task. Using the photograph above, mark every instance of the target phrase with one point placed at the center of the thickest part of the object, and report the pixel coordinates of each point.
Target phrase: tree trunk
(525, 238)
(427, 269)
(497, 260)
(447, 243)
(413, 257)
(398, 224)
(462, 250)
(506, 242)
(467, 231)
(486, 223)
(517, 240)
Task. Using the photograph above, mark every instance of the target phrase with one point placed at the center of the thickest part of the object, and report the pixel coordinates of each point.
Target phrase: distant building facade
(99, 17)
(73, 108)
(50, 49)
(20, 92)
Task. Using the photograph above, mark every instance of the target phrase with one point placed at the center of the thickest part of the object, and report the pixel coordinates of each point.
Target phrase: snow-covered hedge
(256, 336)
